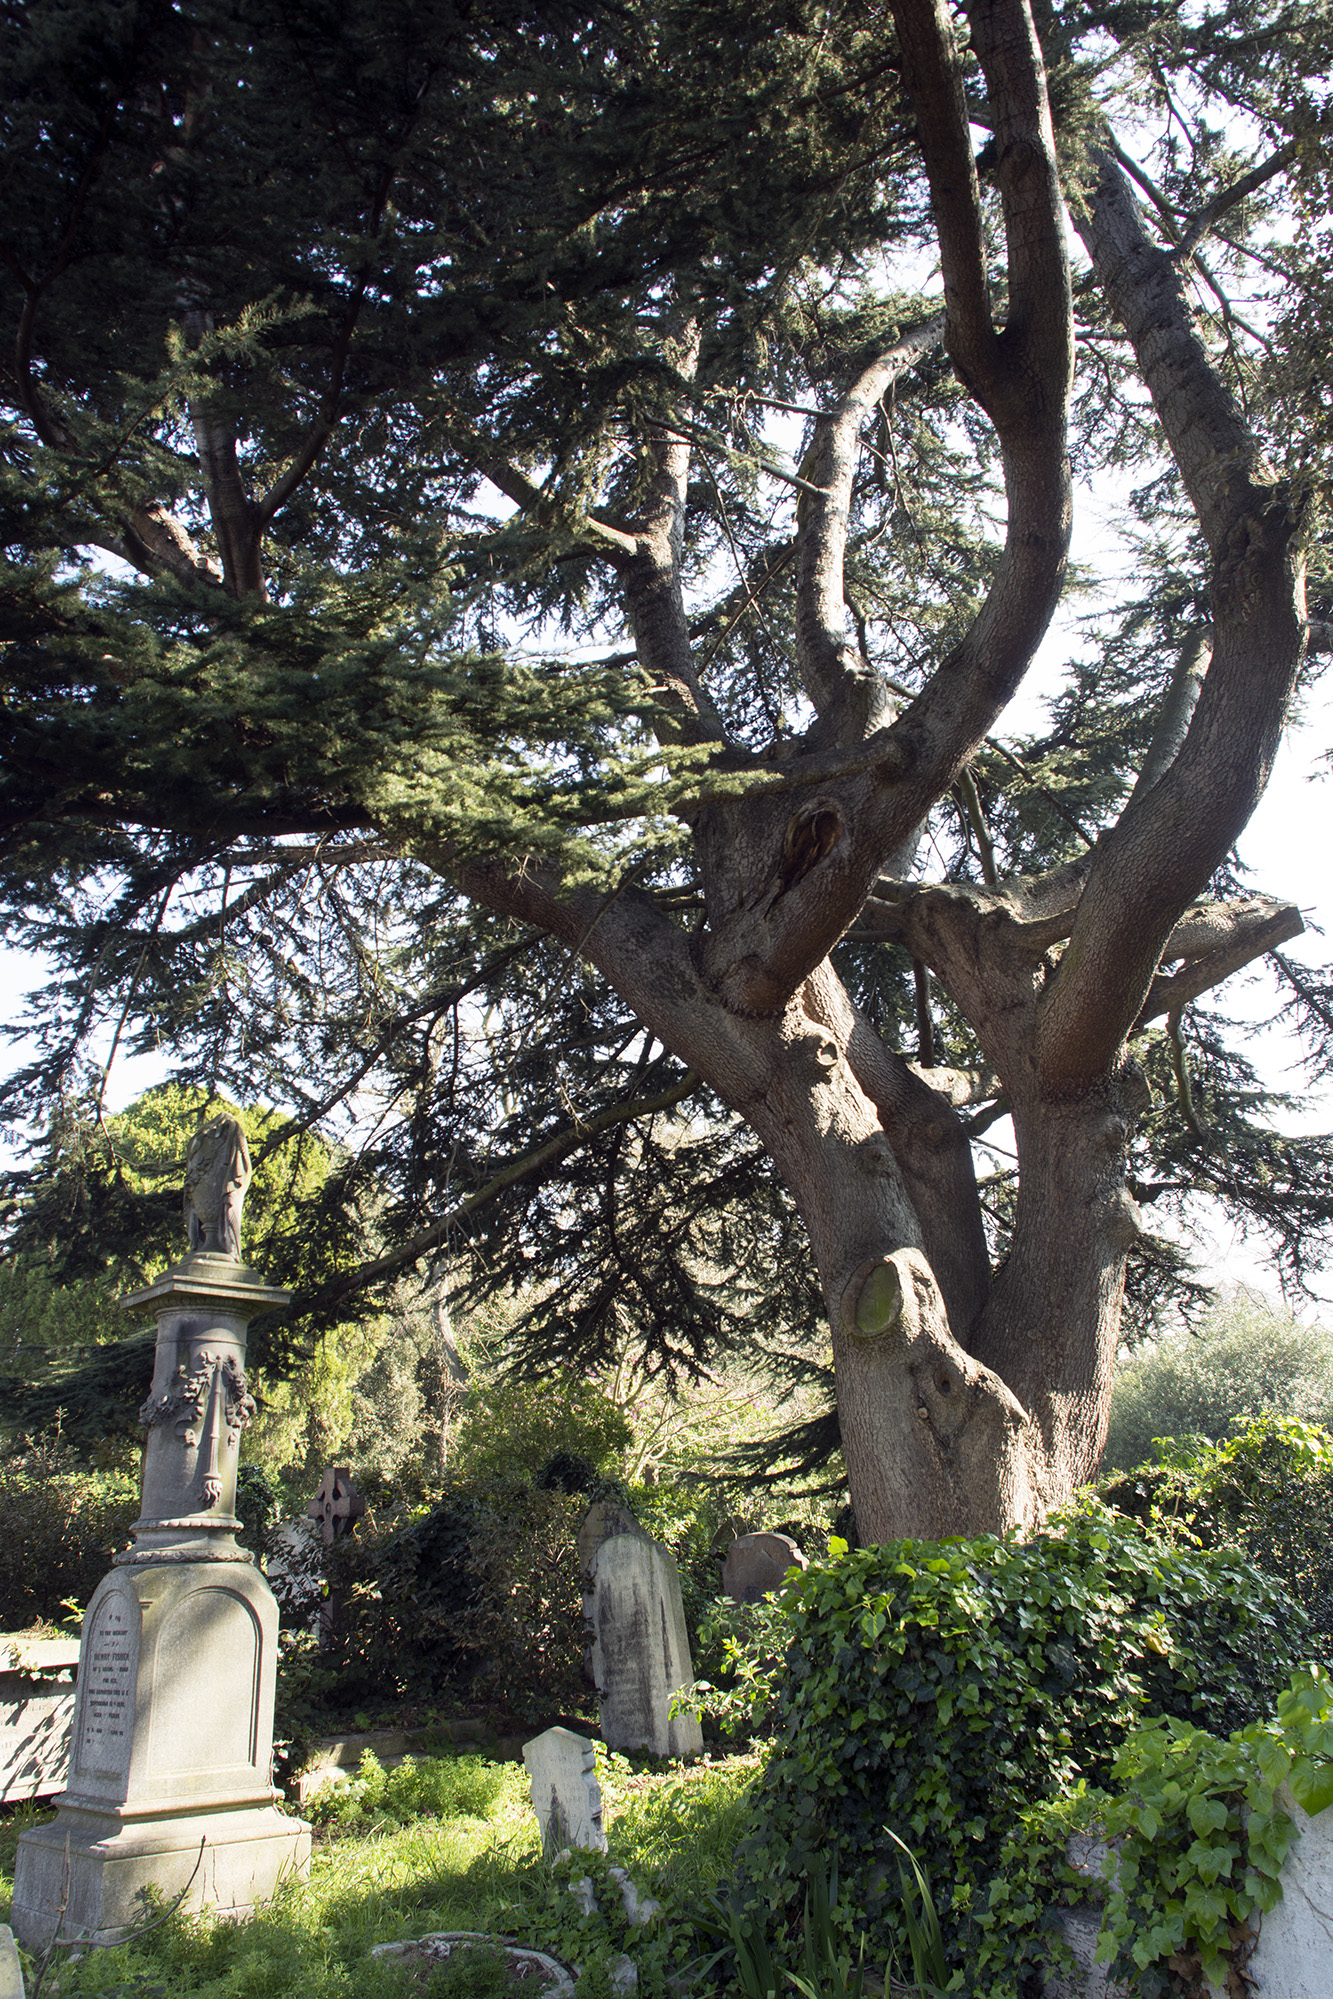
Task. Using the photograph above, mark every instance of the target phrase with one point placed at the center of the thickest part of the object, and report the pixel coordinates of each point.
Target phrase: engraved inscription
(106, 1677)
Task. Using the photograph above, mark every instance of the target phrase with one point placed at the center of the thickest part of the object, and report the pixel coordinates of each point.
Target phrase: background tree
(332, 783)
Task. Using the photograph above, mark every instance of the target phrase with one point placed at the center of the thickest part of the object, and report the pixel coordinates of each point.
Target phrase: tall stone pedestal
(169, 1782)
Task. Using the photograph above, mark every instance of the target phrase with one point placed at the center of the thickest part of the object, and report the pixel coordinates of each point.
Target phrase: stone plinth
(640, 1653)
(169, 1782)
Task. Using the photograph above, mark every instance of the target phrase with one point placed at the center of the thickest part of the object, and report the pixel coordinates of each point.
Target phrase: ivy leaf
(1312, 1785)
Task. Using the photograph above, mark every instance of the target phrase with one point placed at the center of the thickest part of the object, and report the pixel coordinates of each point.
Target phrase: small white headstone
(11, 1971)
(562, 1770)
(641, 1650)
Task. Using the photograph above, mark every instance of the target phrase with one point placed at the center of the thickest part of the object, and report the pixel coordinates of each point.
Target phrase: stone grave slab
(534, 1971)
(756, 1565)
(562, 1771)
(36, 1714)
(1293, 1955)
(640, 1654)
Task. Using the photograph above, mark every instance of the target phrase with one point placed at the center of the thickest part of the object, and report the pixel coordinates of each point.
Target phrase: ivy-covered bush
(1267, 1490)
(60, 1525)
(941, 1691)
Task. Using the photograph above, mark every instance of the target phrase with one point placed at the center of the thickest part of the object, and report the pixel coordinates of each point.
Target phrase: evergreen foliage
(297, 711)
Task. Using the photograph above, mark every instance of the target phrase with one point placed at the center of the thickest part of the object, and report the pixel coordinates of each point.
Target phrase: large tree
(315, 765)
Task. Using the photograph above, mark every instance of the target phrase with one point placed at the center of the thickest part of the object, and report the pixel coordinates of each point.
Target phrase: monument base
(85, 1874)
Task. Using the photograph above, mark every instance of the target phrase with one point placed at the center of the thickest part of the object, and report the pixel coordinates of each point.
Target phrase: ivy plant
(1197, 1834)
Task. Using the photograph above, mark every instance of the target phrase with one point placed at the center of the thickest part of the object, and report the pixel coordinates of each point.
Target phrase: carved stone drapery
(204, 1399)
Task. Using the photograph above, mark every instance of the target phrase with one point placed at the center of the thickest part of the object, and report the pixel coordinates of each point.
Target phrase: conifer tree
(430, 688)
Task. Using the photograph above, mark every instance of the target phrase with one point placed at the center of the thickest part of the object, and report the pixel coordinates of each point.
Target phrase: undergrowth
(472, 1865)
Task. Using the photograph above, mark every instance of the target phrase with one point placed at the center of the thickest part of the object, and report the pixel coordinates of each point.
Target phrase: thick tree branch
(652, 581)
(237, 523)
(786, 920)
(1235, 934)
(850, 699)
(1178, 707)
(933, 75)
(1172, 837)
(156, 537)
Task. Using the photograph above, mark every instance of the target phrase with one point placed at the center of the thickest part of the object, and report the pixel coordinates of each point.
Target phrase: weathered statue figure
(217, 1173)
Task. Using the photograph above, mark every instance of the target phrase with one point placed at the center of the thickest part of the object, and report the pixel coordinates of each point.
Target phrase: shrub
(60, 1525)
(942, 1690)
(479, 1594)
(1243, 1360)
(1268, 1491)
(512, 1429)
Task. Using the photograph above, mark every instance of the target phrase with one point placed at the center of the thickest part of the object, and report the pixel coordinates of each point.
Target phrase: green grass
(473, 1869)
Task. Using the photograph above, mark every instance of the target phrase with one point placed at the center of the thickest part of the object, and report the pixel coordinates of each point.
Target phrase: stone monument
(169, 1781)
(639, 1656)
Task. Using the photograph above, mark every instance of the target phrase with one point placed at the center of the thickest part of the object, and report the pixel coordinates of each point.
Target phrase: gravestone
(1290, 1953)
(562, 1771)
(169, 1784)
(11, 1971)
(36, 1714)
(757, 1564)
(337, 1506)
(1293, 1953)
(640, 1653)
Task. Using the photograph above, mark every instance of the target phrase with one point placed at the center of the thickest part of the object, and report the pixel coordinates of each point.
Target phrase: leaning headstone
(757, 1564)
(640, 1654)
(562, 1770)
(169, 1785)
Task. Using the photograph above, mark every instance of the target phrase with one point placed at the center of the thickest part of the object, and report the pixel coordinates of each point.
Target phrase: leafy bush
(512, 1428)
(939, 1691)
(59, 1528)
(436, 1787)
(480, 1593)
(1244, 1360)
(1268, 1491)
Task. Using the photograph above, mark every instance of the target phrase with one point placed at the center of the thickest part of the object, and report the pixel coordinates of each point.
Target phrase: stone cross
(337, 1506)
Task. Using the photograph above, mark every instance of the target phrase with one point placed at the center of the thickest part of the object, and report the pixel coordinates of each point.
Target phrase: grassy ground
(471, 1860)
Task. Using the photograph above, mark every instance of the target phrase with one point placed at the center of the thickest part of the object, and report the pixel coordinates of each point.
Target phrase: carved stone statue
(217, 1173)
